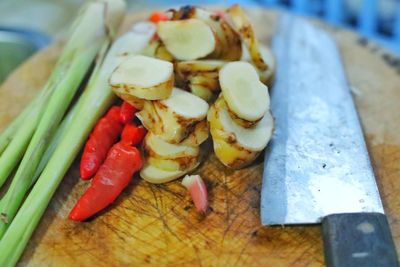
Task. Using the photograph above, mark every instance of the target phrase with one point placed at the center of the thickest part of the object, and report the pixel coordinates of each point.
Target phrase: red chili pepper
(132, 134)
(113, 114)
(104, 135)
(157, 16)
(113, 176)
(127, 112)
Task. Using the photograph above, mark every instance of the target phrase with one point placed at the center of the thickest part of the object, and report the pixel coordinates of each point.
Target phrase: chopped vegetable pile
(218, 60)
(182, 75)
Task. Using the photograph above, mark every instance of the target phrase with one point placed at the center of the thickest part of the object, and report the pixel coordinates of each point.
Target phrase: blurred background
(28, 25)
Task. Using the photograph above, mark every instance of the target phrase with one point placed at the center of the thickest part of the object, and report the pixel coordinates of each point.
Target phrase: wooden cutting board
(157, 224)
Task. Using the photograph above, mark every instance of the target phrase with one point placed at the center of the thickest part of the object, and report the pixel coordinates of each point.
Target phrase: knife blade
(317, 167)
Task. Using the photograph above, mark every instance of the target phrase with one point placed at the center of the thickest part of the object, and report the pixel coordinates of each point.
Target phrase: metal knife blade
(317, 163)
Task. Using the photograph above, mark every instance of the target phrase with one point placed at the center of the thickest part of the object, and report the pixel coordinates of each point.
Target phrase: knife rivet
(360, 254)
(365, 228)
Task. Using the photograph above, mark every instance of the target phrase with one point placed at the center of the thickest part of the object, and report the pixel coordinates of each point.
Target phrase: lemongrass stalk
(80, 32)
(8, 133)
(90, 35)
(54, 142)
(14, 151)
(83, 33)
(96, 99)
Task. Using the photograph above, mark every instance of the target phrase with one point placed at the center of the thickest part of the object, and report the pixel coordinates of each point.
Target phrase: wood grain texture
(157, 225)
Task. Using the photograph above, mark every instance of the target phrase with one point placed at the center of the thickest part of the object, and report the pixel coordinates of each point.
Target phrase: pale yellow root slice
(143, 77)
(236, 119)
(233, 156)
(164, 164)
(254, 138)
(188, 146)
(198, 136)
(192, 67)
(241, 23)
(187, 39)
(151, 48)
(266, 76)
(227, 151)
(188, 12)
(243, 92)
(230, 44)
(203, 92)
(201, 76)
(208, 80)
(245, 55)
(186, 105)
(157, 49)
(236, 146)
(155, 175)
(234, 43)
(134, 101)
(173, 119)
(162, 53)
(155, 146)
(269, 58)
(179, 164)
(165, 123)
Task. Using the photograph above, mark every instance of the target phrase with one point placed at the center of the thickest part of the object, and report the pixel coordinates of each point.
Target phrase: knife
(317, 168)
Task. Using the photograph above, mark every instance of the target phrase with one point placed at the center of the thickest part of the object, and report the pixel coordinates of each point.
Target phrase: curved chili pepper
(132, 134)
(114, 114)
(113, 176)
(127, 112)
(104, 135)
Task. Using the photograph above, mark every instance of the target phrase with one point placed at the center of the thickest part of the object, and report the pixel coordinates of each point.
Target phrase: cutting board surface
(158, 225)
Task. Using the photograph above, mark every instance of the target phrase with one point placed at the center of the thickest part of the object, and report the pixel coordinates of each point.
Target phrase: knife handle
(358, 240)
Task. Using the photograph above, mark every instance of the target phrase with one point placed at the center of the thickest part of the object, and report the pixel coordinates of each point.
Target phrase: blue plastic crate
(375, 19)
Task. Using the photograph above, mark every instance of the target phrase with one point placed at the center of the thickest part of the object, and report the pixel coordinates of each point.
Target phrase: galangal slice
(241, 23)
(267, 75)
(155, 175)
(246, 96)
(143, 77)
(173, 119)
(234, 145)
(187, 39)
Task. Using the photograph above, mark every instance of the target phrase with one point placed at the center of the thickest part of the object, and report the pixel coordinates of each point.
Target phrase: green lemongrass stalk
(8, 134)
(14, 151)
(7, 160)
(83, 34)
(62, 128)
(78, 39)
(96, 99)
(90, 35)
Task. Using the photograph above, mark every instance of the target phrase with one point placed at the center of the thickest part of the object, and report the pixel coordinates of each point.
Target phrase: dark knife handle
(358, 240)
